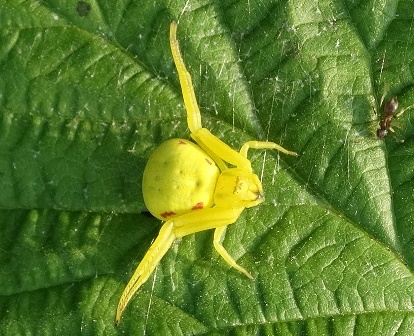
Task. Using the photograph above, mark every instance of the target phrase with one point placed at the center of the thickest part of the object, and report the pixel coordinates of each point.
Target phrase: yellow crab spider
(191, 188)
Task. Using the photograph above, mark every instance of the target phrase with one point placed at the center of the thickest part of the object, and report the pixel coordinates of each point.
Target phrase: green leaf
(87, 93)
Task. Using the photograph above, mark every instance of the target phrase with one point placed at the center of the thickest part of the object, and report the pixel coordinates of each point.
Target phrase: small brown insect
(385, 124)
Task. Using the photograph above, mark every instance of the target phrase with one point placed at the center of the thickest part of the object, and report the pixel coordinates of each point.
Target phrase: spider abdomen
(179, 177)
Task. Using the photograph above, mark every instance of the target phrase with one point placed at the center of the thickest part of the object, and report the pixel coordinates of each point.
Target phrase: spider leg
(205, 139)
(205, 219)
(218, 218)
(218, 234)
(147, 265)
(220, 163)
(217, 148)
(263, 145)
(211, 144)
(190, 101)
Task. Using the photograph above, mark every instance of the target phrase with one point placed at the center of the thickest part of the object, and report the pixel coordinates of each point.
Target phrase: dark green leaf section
(317, 79)
(342, 325)
(56, 247)
(75, 77)
(271, 297)
(86, 96)
(71, 163)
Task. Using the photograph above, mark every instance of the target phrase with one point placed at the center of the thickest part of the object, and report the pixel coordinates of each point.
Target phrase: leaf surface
(89, 89)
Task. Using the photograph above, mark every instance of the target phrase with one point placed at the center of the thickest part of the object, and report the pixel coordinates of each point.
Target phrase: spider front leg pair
(191, 187)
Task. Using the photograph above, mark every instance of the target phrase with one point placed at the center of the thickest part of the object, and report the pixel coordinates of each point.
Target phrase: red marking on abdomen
(167, 214)
(181, 142)
(198, 206)
(209, 162)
